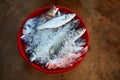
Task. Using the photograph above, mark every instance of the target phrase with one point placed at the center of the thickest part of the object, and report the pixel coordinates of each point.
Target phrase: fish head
(32, 57)
(70, 16)
(27, 29)
(75, 23)
(81, 31)
(67, 17)
(53, 10)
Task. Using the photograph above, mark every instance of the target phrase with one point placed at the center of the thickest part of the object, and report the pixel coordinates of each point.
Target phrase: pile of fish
(52, 39)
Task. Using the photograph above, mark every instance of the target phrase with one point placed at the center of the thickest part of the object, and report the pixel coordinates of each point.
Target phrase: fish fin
(84, 50)
(52, 50)
(58, 13)
(32, 57)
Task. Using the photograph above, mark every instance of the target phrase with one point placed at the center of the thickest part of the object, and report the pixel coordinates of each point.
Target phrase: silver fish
(31, 23)
(78, 33)
(57, 21)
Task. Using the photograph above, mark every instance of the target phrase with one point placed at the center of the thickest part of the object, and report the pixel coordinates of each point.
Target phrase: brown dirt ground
(102, 18)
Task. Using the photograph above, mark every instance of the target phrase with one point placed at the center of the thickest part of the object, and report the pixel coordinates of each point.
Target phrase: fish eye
(66, 16)
(29, 26)
(24, 28)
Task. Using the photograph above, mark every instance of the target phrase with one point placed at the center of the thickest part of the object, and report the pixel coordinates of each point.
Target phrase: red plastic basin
(21, 45)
